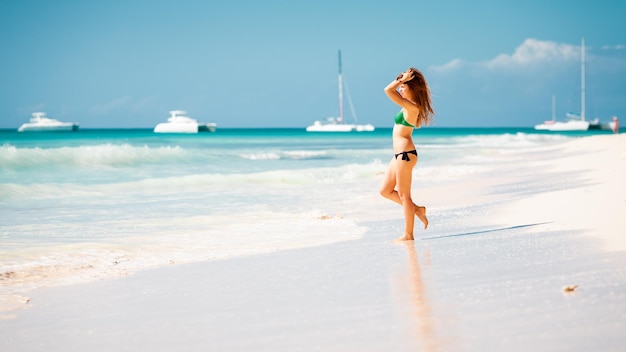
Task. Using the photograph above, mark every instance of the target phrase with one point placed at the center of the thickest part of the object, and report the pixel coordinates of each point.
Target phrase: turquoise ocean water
(98, 203)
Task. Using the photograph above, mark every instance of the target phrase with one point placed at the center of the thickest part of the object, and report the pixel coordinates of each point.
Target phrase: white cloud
(530, 52)
(450, 66)
(534, 51)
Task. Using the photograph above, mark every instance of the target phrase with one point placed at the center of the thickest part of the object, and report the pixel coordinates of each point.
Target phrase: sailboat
(575, 122)
(548, 123)
(337, 124)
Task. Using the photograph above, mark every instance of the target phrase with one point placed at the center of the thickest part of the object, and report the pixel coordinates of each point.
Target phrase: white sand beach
(492, 278)
(592, 174)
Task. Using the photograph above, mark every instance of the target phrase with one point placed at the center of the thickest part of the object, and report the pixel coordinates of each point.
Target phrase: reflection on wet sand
(413, 300)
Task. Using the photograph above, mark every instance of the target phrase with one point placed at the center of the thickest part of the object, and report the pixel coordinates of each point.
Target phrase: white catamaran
(337, 124)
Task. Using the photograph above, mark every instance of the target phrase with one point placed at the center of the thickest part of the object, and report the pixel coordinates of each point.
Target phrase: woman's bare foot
(404, 238)
(420, 212)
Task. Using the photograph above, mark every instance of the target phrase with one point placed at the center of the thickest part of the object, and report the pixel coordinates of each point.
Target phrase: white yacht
(40, 123)
(178, 123)
(338, 124)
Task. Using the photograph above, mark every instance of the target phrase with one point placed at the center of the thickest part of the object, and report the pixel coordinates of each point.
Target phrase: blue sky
(273, 63)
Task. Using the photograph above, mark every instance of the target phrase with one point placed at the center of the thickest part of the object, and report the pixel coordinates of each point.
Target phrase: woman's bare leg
(387, 190)
(404, 177)
(420, 212)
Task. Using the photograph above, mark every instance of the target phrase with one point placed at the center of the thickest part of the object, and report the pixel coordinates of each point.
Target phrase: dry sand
(489, 290)
(591, 195)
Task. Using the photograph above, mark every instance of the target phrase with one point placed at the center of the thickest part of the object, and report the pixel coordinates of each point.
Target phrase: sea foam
(98, 156)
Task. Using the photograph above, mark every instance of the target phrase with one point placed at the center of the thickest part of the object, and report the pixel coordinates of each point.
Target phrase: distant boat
(40, 123)
(605, 126)
(559, 126)
(576, 122)
(337, 124)
(554, 125)
(178, 123)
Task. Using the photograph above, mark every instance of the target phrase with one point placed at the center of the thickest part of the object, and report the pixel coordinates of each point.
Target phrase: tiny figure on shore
(615, 124)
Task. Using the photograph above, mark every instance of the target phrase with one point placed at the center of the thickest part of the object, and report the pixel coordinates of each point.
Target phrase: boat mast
(340, 80)
(582, 79)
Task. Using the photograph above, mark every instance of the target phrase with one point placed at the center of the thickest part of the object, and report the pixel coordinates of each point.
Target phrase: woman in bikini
(410, 91)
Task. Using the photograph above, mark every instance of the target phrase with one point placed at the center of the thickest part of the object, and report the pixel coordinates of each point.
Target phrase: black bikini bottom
(405, 155)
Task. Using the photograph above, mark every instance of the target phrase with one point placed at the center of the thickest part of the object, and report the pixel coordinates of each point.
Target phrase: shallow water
(97, 203)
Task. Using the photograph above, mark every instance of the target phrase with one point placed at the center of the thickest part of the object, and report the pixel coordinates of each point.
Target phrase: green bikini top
(400, 120)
